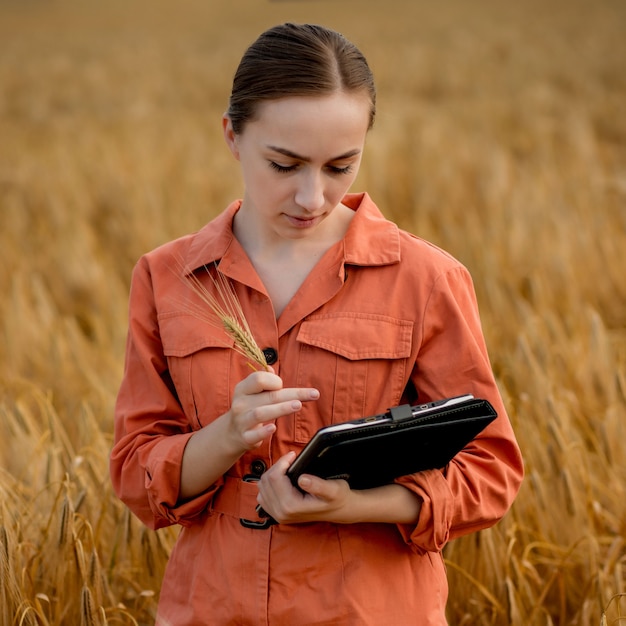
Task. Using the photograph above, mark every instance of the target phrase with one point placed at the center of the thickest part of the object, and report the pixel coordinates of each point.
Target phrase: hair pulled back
(297, 60)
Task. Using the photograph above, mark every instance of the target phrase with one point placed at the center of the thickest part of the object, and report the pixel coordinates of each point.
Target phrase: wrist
(391, 504)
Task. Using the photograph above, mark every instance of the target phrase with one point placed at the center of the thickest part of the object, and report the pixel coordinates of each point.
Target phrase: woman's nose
(310, 192)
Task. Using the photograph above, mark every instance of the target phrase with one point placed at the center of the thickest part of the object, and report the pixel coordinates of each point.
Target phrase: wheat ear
(228, 312)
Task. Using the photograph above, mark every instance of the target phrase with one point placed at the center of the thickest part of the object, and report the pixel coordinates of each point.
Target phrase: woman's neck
(284, 264)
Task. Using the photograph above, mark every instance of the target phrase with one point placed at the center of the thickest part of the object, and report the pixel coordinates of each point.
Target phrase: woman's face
(299, 157)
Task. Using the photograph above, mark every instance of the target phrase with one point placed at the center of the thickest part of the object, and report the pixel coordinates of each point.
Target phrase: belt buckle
(267, 520)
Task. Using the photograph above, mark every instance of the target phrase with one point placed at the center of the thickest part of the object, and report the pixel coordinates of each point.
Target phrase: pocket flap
(357, 336)
(183, 334)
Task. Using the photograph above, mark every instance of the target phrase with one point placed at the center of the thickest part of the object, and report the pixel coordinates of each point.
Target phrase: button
(258, 467)
(270, 355)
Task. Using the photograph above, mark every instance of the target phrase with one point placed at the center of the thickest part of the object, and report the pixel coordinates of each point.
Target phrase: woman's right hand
(259, 400)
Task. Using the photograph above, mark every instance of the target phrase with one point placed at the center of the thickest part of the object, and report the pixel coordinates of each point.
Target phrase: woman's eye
(340, 170)
(285, 169)
(282, 168)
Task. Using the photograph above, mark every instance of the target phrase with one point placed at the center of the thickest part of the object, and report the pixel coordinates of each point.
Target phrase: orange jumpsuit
(383, 319)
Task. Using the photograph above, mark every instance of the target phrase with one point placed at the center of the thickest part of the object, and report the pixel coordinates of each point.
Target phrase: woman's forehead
(344, 114)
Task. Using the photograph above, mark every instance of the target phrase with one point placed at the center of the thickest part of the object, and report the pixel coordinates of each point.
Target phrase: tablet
(373, 451)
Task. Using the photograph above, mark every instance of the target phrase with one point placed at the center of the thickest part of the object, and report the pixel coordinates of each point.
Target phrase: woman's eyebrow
(298, 157)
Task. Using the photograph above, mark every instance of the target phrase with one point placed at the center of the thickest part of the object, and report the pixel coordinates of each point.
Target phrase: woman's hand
(332, 500)
(324, 500)
(258, 400)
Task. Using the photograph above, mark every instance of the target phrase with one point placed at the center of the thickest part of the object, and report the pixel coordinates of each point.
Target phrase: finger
(282, 465)
(274, 486)
(266, 407)
(322, 489)
(274, 479)
(244, 398)
(303, 394)
(258, 382)
(254, 436)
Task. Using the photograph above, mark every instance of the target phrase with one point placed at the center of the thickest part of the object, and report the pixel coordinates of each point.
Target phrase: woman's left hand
(324, 500)
(332, 500)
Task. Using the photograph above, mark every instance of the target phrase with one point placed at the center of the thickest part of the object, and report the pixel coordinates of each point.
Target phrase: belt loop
(262, 524)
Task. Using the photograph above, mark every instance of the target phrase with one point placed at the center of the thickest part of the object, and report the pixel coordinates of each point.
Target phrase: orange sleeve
(151, 429)
(479, 485)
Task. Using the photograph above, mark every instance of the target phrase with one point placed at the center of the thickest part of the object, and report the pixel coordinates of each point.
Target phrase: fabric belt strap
(237, 498)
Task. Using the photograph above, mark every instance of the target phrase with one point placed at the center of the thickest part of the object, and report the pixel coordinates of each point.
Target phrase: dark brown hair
(297, 60)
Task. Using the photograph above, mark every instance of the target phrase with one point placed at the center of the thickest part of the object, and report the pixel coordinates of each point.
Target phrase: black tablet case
(375, 452)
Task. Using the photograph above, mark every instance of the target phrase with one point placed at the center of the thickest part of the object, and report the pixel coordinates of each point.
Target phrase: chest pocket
(359, 361)
(199, 357)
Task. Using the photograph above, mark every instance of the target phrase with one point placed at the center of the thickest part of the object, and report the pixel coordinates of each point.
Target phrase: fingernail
(314, 394)
(304, 482)
(296, 405)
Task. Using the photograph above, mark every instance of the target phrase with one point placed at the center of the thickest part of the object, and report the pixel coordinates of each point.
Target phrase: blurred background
(500, 136)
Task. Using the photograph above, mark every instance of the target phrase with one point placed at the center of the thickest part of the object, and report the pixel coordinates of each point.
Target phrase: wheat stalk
(226, 313)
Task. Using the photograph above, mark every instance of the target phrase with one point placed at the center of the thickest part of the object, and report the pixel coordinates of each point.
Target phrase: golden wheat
(500, 136)
(225, 310)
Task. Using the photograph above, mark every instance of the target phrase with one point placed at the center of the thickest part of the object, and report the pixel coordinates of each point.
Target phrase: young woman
(354, 316)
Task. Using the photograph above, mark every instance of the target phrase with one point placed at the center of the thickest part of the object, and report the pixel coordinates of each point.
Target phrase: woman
(354, 316)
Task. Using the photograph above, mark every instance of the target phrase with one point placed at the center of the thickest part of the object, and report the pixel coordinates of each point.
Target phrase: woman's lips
(303, 222)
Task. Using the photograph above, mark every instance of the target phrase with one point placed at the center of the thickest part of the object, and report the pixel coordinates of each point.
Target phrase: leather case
(372, 451)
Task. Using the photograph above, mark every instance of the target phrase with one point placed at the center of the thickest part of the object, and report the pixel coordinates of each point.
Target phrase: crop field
(500, 136)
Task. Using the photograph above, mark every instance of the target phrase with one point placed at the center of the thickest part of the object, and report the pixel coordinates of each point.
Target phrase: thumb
(315, 486)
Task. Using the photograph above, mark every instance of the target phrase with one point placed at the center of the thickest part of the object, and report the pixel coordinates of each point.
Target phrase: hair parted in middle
(297, 60)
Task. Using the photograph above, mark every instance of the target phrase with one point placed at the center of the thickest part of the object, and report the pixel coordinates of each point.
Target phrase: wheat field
(500, 136)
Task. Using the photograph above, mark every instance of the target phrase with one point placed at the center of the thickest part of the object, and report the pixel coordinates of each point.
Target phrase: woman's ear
(229, 135)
